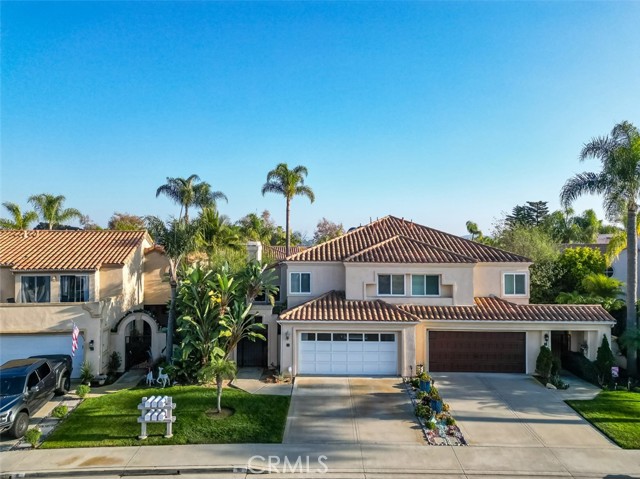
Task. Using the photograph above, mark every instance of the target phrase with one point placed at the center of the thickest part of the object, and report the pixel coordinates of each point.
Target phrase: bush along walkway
(438, 425)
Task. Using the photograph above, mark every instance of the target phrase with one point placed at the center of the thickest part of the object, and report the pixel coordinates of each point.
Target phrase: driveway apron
(351, 410)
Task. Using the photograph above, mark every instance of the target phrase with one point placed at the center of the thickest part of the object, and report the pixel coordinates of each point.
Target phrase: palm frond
(582, 183)
(304, 190)
(272, 187)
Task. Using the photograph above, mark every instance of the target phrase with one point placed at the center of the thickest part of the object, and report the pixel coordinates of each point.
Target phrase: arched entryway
(139, 339)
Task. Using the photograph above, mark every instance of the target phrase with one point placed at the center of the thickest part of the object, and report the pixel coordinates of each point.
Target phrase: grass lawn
(111, 420)
(615, 413)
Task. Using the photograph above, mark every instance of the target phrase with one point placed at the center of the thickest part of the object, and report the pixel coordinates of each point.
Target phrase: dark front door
(253, 354)
(466, 351)
(560, 343)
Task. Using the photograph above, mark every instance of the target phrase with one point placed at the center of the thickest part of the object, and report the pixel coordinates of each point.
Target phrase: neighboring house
(109, 283)
(390, 295)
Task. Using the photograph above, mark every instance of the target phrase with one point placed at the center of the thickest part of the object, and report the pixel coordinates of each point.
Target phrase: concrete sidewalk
(248, 379)
(340, 459)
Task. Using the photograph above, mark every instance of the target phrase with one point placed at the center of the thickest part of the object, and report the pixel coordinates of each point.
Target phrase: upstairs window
(425, 285)
(300, 283)
(515, 284)
(391, 284)
(74, 289)
(35, 289)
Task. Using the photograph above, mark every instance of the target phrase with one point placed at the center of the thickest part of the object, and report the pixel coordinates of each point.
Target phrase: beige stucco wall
(456, 283)
(535, 332)
(111, 281)
(289, 352)
(324, 278)
(7, 286)
(156, 286)
(488, 280)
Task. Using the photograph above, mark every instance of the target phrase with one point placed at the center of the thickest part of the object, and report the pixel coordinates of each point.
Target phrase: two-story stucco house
(393, 294)
(109, 283)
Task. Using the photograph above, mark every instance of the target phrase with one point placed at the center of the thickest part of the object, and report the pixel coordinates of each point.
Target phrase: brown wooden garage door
(465, 351)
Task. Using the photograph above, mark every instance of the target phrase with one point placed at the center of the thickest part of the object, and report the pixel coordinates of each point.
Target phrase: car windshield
(10, 385)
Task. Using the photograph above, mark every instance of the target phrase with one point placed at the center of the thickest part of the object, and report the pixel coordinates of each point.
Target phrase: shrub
(60, 411)
(429, 425)
(435, 394)
(424, 376)
(33, 436)
(450, 421)
(420, 395)
(115, 361)
(83, 390)
(581, 367)
(544, 362)
(423, 411)
(86, 372)
(604, 361)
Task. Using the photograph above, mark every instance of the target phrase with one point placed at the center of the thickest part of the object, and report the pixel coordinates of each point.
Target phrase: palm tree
(220, 368)
(50, 209)
(215, 231)
(288, 183)
(189, 192)
(257, 280)
(19, 221)
(178, 240)
(619, 183)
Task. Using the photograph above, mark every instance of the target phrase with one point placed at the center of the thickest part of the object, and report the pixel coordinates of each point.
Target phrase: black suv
(26, 385)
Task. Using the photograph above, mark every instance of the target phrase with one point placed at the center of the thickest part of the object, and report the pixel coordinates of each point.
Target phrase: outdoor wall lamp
(546, 339)
(286, 335)
(91, 345)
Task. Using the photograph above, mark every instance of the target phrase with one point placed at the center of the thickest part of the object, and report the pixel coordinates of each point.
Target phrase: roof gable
(379, 231)
(401, 249)
(83, 250)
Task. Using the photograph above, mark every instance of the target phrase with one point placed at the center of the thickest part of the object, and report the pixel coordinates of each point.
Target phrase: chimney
(254, 250)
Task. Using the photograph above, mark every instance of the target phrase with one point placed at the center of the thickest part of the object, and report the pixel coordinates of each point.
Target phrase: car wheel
(20, 425)
(66, 385)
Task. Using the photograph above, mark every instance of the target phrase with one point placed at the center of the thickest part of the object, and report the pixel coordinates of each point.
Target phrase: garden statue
(150, 379)
(162, 378)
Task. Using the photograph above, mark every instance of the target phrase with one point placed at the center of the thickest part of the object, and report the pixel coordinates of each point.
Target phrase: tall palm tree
(50, 209)
(215, 231)
(189, 192)
(19, 220)
(619, 183)
(178, 240)
(288, 183)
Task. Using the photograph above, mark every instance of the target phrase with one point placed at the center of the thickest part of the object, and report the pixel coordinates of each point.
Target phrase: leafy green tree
(288, 183)
(237, 324)
(576, 264)
(18, 220)
(538, 211)
(215, 231)
(188, 192)
(220, 369)
(544, 362)
(126, 222)
(178, 240)
(255, 228)
(596, 289)
(50, 209)
(618, 182)
(520, 216)
(327, 230)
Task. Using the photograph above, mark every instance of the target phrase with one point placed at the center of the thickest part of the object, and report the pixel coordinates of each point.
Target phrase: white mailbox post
(154, 410)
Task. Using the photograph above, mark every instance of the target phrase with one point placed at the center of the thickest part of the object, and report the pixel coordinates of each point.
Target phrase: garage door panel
(467, 351)
(19, 346)
(361, 353)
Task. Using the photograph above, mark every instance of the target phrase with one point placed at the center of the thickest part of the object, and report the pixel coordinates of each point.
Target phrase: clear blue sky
(436, 111)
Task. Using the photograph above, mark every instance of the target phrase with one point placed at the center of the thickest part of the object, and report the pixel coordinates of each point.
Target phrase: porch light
(286, 335)
(91, 345)
(546, 339)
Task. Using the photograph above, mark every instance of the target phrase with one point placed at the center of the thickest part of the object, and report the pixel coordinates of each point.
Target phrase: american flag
(74, 339)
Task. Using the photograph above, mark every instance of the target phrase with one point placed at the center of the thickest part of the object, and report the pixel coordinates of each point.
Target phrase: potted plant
(425, 382)
(436, 400)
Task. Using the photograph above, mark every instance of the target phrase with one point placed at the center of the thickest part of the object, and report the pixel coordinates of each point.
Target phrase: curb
(125, 472)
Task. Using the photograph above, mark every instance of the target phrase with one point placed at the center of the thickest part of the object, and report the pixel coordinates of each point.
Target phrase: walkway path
(248, 379)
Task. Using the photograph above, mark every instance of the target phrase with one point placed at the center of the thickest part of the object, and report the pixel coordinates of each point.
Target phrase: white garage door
(348, 353)
(18, 346)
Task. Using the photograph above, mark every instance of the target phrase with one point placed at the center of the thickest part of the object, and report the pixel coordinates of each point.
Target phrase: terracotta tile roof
(70, 250)
(332, 306)
(278, 253)
(359, 239)
(401, 249)
(496, 309)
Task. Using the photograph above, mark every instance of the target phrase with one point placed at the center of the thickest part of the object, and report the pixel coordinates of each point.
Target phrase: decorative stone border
(453, 436)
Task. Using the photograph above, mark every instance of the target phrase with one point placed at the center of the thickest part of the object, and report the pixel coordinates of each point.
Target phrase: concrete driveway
(515, 410)
(351, 410)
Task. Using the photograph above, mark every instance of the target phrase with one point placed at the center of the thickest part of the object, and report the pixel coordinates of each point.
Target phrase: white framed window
(35, 289)
(515, 284)
(74, 289)
(391, 284)
(425, 285)
(300, 283)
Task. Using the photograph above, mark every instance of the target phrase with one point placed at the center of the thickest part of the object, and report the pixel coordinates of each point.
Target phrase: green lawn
(111, 420)
(615, 413)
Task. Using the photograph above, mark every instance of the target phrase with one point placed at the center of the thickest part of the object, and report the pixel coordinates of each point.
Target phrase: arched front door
(138, 339)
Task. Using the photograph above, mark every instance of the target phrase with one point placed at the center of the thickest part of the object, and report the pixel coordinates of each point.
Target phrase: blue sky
(435, 111)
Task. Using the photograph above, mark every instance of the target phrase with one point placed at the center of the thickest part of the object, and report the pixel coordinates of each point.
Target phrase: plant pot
(436, 405)
(425, 386)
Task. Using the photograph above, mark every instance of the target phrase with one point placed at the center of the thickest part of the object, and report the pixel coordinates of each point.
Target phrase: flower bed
(438, 425)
